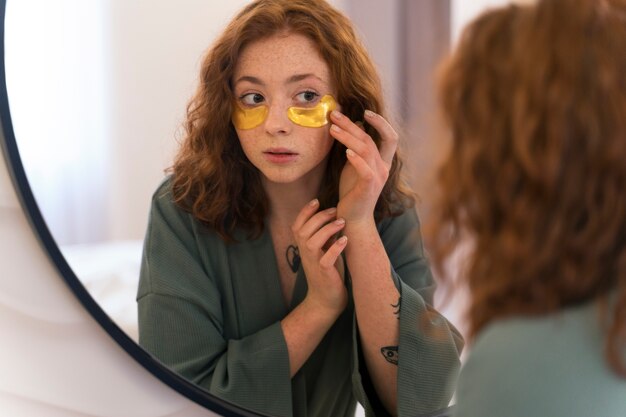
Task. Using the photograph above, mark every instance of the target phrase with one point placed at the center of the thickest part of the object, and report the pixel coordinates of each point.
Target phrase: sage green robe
(552, 366)
(211, 311)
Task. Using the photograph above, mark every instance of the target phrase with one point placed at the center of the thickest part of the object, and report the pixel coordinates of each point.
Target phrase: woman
(534, 185)
(283, 268)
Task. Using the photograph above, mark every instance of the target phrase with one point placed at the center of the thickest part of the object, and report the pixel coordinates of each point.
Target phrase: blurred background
(98, 90)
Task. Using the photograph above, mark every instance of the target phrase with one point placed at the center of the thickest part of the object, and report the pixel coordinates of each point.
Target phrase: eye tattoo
(390, 353)
(293, 257)
(397, 307)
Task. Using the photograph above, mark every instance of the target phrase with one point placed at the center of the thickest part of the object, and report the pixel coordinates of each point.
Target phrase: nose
(277, 123)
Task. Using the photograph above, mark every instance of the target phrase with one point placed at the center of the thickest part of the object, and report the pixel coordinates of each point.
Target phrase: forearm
(375, 296)
(304, 329)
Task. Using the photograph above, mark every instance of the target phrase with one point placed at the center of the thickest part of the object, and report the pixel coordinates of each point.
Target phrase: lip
(280, 155)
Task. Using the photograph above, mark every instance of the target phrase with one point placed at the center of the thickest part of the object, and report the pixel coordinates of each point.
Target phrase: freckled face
(280, 72)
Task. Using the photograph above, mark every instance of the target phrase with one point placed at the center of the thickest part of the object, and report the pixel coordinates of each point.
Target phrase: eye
(307, 97)
(252, 99)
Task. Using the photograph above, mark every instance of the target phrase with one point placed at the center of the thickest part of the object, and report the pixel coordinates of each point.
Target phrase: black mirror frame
(30, 207)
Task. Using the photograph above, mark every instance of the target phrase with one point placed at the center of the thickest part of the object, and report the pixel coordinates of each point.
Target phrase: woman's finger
(389, 142)
(305, 214)
(344, 123)
(313, 224)
(329, 259)
(361, 166)
(320, 239)
(349, 140)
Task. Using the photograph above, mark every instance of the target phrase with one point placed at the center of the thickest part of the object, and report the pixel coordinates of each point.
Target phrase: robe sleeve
(429, 346)
(181, 320)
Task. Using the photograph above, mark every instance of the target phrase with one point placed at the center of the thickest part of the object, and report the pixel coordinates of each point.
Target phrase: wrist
(359, 212)
(362, 227)
(321, 313)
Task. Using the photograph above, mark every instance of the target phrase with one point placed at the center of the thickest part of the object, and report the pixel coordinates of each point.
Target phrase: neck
(287, 200)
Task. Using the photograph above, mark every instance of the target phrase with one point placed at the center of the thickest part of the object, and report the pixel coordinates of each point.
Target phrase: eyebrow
(250, 79)
(300, 77)
(293, 79)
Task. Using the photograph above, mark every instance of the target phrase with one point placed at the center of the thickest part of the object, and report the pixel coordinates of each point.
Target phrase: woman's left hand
(366, 172)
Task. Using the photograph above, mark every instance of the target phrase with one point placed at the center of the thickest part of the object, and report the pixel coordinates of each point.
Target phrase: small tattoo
(293, 257)
(397, 307)
(390, 353)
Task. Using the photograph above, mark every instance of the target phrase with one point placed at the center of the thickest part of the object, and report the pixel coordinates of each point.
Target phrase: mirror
(97, 92)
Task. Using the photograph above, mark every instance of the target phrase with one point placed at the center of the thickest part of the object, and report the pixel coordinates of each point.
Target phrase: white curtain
(57, 85)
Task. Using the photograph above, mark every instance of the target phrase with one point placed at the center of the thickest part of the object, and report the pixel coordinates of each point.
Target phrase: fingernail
(314, 202)
(342, 240)
(336, 114)
(340, 222)
(331, 210)
(335, 128)
(350, 152)
(369, 113)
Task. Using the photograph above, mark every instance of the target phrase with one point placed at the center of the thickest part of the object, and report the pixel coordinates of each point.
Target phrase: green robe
(552, 366)
(211, 311)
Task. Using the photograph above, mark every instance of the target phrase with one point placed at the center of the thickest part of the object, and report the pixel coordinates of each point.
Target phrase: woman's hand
(365, 174)
(320, 252)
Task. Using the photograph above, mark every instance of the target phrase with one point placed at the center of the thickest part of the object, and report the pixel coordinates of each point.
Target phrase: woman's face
(280, 72)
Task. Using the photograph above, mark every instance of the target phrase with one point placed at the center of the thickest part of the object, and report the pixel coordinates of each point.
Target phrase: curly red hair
(535, 97)
(212, 178)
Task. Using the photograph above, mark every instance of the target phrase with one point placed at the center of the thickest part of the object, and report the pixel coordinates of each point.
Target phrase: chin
(288, 175)
(284, 176)
(281, 179)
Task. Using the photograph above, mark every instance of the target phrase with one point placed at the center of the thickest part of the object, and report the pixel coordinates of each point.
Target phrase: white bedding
(110, 272)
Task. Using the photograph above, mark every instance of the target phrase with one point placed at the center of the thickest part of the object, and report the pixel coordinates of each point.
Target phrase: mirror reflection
(98, 94)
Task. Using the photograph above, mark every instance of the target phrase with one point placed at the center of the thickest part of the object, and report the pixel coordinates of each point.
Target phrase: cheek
(328, 140)
(245, 141)
(320, 143)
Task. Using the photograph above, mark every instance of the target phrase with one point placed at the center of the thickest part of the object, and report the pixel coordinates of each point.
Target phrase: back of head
(536, 177)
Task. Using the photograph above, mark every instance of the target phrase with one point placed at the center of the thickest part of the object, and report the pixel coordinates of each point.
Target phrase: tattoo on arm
(390, 353)
(397, 307)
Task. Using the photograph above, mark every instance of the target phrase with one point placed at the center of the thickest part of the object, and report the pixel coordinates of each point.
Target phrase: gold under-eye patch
(313, 116)
(308, 117)
(248, 118)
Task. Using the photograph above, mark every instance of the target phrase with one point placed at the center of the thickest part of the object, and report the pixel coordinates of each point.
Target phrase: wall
(464, 11)
(154, 56)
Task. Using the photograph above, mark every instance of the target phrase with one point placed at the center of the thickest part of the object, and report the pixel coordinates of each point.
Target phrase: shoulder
(180, 256)
(542, 334)
(163, 195)
(540, 366)
(165, 208)
(170, 221)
